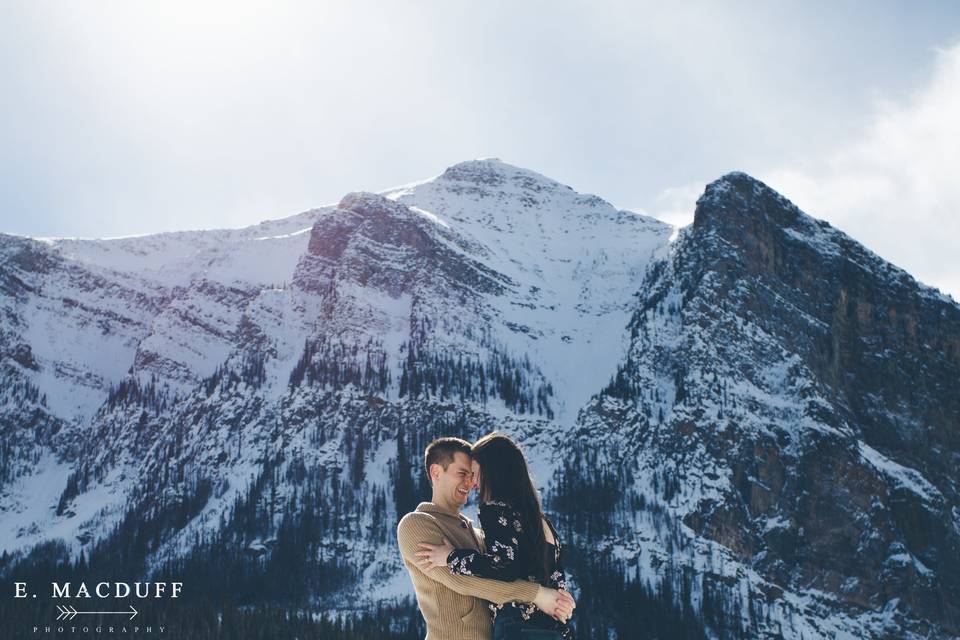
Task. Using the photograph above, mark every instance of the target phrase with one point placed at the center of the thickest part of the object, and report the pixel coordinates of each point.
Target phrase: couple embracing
(513, 561)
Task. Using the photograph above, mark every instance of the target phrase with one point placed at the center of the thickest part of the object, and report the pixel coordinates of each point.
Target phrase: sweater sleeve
(414, 529)
(502, 529)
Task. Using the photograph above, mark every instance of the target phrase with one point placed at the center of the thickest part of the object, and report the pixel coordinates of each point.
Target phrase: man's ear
(430, 472)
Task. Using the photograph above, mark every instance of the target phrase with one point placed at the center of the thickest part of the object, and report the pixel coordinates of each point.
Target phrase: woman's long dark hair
(504, 477)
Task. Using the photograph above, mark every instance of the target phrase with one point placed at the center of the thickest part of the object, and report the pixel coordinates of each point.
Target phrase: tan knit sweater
(452, 604)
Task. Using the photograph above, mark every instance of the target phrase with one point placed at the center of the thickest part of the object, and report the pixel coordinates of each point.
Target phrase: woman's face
(475, 468)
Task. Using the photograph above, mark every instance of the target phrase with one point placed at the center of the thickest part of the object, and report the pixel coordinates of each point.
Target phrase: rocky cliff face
(754, 422)
(770, 379)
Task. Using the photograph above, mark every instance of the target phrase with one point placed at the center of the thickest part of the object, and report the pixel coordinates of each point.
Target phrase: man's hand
(556, 604)
(432, 555)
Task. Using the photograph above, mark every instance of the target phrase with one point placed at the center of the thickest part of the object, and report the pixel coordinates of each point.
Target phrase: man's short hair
(441, 451)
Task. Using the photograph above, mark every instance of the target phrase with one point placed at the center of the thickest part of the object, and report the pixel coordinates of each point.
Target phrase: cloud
(675, 204)
(893, 186)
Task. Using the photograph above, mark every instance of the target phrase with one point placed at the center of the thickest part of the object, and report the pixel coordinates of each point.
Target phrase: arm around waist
(415, 528)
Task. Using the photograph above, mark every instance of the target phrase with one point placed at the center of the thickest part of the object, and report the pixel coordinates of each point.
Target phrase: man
(452, 604)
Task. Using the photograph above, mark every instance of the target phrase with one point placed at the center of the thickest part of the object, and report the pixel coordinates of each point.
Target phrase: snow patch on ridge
(906, 477)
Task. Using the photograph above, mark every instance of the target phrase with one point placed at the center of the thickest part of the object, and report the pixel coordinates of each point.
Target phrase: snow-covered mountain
(752, 418)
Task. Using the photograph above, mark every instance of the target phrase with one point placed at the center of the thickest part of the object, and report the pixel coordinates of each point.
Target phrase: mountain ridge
(721, 411)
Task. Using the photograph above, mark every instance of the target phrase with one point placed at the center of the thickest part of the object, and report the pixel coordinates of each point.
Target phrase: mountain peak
(736, 199)
(365, 202)
(752, 216)
(493, 172)
(736, 176)
(734, 187)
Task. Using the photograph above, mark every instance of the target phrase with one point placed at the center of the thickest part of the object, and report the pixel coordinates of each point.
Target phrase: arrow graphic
(69, 613)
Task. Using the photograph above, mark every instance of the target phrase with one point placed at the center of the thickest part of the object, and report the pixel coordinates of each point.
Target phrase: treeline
(623, 385)
(259, 575)
(77, 483)
(614, 603)
(21, 392)
(26, 425)
(146, 525)
(131, 392)
(443, 377)
(425, 374)
(251, 370)
(331, 364)
(407, 475)
(596, 504)
(290, 549)
(711, 385)
(593, 502)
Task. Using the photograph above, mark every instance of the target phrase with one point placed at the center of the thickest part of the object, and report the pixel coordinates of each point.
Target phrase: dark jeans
(510, 625)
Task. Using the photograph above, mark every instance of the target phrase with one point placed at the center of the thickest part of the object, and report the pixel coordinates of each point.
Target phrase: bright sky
(122, 117)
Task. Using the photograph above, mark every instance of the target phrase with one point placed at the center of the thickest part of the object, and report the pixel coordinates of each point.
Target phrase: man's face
(455, 482)
(475, 468)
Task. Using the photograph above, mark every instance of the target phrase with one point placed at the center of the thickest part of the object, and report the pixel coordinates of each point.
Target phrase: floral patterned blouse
(509, 557)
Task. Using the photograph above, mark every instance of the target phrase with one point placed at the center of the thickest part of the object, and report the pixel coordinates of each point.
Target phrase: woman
(520, 541)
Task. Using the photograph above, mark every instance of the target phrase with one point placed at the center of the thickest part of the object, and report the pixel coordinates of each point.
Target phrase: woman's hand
(434, 555)
(559, 605)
